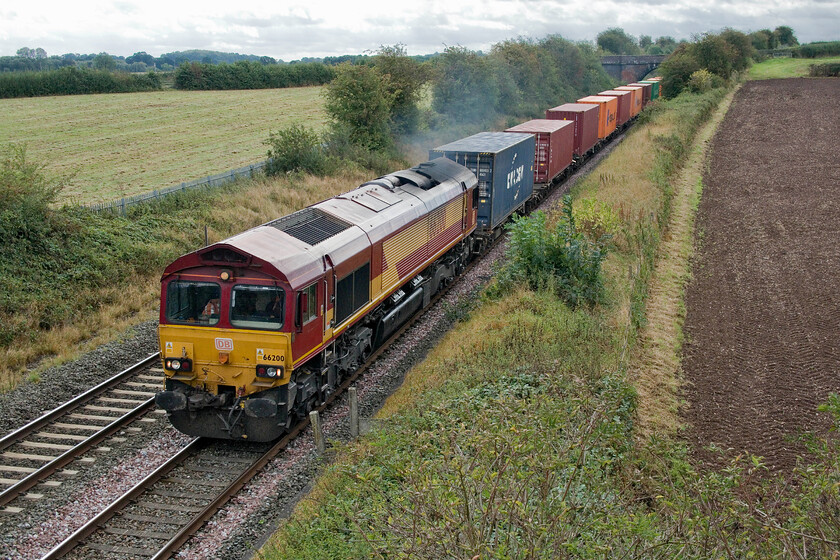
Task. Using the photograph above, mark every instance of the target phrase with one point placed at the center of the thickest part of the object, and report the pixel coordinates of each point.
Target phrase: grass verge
(127, 144)
(786, 67)
(655, 369)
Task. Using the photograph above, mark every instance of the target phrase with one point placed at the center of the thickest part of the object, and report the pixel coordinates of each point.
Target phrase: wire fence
(218, 180)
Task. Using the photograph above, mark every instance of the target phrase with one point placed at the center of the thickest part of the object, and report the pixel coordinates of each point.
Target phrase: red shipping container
(585, 117)
(625, 104)
(648, 88)
(554, 148)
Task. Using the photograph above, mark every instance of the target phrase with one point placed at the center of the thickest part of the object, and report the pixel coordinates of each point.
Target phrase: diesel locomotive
(259, 328)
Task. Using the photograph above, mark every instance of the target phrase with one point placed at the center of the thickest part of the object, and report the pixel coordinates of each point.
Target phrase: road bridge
(630, 67)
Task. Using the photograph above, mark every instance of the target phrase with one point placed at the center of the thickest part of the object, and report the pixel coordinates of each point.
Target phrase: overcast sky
(293, 29)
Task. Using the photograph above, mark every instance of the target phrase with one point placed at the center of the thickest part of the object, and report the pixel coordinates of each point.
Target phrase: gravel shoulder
(763, 309)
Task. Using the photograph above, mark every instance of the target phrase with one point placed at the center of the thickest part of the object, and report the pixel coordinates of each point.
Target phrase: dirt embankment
(763, 310)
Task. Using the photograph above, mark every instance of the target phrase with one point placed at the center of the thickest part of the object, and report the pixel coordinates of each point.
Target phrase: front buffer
(259, 417)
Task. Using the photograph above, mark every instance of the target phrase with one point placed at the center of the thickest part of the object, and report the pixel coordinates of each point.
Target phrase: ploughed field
(763, 310)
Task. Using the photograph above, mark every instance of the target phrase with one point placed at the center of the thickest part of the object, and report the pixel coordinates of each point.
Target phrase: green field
(131, 143)
(786, 67)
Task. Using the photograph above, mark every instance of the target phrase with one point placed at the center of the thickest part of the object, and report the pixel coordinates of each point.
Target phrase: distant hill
(213, 57)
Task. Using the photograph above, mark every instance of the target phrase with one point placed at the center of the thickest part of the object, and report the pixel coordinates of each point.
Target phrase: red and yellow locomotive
(260, 327)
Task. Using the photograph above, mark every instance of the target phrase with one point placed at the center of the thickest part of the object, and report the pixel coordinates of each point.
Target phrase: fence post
(353, 397)
(315, 420)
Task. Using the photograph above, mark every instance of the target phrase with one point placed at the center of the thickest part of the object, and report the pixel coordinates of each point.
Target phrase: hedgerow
(75, 81)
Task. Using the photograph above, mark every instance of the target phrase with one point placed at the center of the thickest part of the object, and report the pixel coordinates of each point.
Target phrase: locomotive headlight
(272, 372)
(178, 364)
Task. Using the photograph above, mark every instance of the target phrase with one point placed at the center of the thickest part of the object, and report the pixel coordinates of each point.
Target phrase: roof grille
(310, 225)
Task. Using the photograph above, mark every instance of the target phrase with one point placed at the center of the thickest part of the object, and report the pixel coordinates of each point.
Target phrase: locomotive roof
(293, 247)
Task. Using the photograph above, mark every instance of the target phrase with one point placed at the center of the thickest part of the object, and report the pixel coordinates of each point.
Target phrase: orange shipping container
(625, 104)
(638, 93)
(609, 111)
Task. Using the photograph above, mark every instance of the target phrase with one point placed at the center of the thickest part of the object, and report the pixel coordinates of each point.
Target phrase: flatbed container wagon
(608, 113)
(656, 88)
(503, 163)
(555, 146)
(585, 119)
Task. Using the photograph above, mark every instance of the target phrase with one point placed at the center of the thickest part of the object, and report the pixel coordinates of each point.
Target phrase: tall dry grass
(127, 304)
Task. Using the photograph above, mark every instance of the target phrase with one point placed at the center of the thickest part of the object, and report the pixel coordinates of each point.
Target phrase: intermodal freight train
(258, 329)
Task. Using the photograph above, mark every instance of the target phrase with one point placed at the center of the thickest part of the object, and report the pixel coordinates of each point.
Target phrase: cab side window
(311, 310)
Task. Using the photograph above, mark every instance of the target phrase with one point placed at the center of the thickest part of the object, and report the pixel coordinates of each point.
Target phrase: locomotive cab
(218, 361)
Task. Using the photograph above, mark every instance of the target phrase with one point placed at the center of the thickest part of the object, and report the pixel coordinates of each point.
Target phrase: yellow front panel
(226, 356)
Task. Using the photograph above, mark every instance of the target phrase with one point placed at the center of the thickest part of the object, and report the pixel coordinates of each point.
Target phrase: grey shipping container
(503, 163)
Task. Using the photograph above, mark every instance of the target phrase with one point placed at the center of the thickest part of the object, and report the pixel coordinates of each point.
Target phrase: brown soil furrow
(763, 309)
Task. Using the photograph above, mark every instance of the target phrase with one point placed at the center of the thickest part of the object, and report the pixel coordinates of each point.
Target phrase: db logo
(224, 344)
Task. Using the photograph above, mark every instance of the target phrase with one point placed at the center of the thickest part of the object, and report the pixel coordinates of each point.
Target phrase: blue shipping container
(503, 163)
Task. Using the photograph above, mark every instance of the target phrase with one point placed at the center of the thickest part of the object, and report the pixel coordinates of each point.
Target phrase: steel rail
(93, 524)
(73, 453)
(13, 437)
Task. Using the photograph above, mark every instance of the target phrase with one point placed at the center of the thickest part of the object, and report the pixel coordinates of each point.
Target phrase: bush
(815, 50)
(250, 75)
(295, 148)
(825, 70)
(701, 81)
(564, 259)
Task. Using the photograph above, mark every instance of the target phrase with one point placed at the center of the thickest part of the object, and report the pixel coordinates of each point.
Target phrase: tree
(677, 70)
(713, 53)
(26, 52)
(742, 48)
(404, 79)
(40, 53)
(358, 103)
(667, 44)
(785, 36)
(645, 42)
(104, 61)
(466, 88)
(614, 40)
(761, 39)
(141, 56)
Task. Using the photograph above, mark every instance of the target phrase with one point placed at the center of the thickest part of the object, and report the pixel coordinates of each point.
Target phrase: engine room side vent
(310, 225)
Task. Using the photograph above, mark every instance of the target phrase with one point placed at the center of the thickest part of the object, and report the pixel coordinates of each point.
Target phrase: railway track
(37, 453)
(161, 513)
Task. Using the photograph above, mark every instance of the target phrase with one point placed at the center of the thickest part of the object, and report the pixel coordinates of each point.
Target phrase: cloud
(323, 27)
